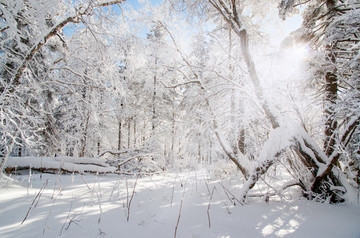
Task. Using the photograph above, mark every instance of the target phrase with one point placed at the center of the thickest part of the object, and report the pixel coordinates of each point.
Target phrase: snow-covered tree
(283, 137)
(331, 28)
(31, 43)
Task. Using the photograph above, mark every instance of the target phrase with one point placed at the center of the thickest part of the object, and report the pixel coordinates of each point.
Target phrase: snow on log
(65, 164)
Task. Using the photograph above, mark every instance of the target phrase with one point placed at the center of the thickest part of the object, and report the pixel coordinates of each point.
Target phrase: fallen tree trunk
(56, 164)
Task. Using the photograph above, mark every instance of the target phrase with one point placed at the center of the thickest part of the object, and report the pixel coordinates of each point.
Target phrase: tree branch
(185, 83)
(53, 31)
(334, 158)
(30, 55)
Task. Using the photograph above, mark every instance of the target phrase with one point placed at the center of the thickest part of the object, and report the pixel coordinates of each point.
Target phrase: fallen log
(56, 164)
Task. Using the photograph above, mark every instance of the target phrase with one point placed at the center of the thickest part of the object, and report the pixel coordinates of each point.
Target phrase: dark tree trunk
(85, 124)
(241, 141)
(119, 135)
(134, 135)
(129, 132)
(153, 117)
(331, 91)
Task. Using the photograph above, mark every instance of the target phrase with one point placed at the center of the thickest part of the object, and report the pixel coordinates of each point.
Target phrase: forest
(223, 108)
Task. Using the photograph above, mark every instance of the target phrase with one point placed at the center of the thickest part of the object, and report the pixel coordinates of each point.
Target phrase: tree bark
(241, 141)
(331, 90)
(129, 132)
(153, 116)
(134, 135)
(119, 135)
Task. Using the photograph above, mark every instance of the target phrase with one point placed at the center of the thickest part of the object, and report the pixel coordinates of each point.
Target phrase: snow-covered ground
(100, 205)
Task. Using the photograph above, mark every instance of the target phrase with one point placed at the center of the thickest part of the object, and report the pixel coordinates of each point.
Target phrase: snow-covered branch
(182, 84)
(76, 18)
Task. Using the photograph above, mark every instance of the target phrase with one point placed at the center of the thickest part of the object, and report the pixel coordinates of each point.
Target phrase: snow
(279, 139)
(75, 164)
(96, 206)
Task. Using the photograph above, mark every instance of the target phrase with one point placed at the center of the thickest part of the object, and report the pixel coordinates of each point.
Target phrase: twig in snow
(227, 208)
(118, 189)
(225, 189)
(266, 195)
(73, 218)
(196, 181)
(59, 190)
(54, 199)
(82, 177)
(207, 187)
(29, 180)
(230, 199)
(154, 182)
(131, 198)
(68, 216)
(116, 185)
(85, 181)
(93, 189)
(101, 233)
(178, 220)
(172, 193)
(36, 199)
(208, 209)
(99, 200)
(112, 191)
(127, 193)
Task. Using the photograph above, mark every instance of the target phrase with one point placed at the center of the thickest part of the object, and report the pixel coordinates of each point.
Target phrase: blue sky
(277, 30)
(70, 28)
(135, 3)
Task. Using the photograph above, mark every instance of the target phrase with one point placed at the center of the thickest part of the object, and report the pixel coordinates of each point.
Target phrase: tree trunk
(98, 146)
(134, 135)
(6, 153)
(241, 141)
(85, 124)
(129, 132)
(119, 135)
(85, 135)
(51, 132)
(153, 117)
(331, 90)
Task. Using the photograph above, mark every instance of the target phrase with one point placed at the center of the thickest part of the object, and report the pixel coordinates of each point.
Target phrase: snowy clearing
(99, 206)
